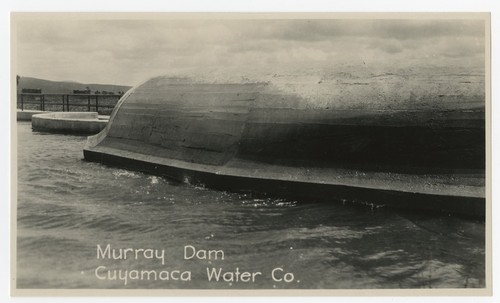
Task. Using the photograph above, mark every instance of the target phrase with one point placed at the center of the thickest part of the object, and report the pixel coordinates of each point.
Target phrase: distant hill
(66, 87)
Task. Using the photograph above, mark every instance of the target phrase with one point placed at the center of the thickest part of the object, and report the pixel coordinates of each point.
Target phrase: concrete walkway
(25, 115)
(69, 122)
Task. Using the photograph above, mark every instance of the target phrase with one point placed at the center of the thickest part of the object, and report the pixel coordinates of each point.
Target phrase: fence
(103, 104)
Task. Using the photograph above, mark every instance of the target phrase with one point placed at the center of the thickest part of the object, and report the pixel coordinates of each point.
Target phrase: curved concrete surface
(69, 122)
(408, 143)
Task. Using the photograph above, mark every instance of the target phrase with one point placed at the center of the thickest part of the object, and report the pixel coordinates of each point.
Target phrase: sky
(129, 51)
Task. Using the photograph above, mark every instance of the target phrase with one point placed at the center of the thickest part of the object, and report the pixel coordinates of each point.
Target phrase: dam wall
(296, 129)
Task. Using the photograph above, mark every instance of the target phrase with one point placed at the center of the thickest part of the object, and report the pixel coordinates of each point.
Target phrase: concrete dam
(404, 140)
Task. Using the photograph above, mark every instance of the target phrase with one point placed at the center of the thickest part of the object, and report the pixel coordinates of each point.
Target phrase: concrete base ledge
(69, 122)
(292, 186)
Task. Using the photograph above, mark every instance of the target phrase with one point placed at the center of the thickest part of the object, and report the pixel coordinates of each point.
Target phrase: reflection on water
(66, 207)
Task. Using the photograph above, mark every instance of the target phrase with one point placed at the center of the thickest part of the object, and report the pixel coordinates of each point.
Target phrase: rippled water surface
(66, 207)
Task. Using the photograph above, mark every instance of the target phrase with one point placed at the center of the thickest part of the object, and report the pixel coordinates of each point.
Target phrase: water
(66, 207)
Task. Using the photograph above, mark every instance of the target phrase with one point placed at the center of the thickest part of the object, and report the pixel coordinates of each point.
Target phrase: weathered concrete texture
(25, 115)
(69, 122)
(403, 140)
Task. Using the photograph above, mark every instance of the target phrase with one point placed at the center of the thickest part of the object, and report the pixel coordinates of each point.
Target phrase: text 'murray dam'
(411, 138)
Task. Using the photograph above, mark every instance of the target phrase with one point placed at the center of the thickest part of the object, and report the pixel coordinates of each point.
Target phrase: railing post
(97, 103)
(63, 102)
(43, 102)
(67, 103)
(22, 102)
(88, 103)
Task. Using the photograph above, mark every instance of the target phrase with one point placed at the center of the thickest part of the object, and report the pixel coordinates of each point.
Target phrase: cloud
(314, 30)
(128, 51)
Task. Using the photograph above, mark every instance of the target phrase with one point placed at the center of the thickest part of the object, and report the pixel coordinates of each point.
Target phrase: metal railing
(103, 104)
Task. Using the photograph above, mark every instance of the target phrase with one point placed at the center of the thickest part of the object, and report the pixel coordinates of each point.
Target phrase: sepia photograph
(238, 152)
